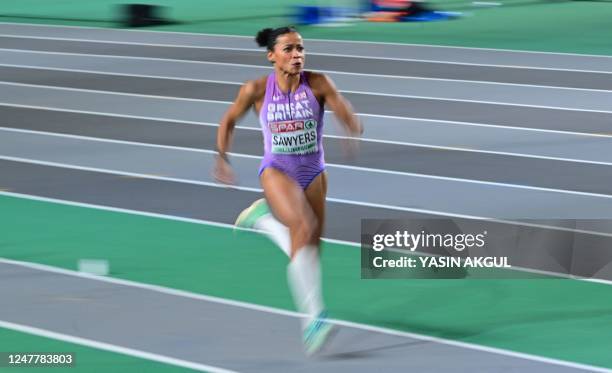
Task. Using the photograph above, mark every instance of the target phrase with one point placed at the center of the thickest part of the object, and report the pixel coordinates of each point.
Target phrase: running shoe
(317, 334)
(251, 214)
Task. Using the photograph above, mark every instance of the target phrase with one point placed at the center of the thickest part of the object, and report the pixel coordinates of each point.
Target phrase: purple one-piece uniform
(292, 125)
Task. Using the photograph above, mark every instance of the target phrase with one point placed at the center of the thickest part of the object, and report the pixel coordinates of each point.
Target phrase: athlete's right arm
(245, 99)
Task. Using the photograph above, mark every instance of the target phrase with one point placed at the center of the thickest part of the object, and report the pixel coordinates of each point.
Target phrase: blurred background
(547, 25)
(117, 244)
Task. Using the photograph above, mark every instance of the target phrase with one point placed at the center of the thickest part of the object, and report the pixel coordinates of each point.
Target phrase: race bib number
(294, 137)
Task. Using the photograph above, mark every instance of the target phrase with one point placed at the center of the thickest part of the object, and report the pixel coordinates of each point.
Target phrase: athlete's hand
(223, 171)
(350, 147)
(350, 143)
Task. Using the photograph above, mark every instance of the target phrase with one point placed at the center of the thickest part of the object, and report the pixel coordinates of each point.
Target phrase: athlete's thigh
(285, 197)
(315, 194)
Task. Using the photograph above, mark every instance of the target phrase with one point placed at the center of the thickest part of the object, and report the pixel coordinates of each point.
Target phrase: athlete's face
(288, 54)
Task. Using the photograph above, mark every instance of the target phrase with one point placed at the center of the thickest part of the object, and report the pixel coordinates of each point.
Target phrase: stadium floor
(106, 148)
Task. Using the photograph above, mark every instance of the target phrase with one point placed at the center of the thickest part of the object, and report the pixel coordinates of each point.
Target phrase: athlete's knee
(310, 227)
(305, 226)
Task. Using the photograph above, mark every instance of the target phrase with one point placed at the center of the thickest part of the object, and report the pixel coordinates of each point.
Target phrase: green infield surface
(569, 320)
(551, 26)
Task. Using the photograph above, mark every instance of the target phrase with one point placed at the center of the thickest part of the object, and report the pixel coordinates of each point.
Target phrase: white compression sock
(276, 231)
(304, 275)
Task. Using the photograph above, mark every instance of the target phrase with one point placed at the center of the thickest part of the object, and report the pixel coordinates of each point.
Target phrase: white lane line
(277, 311)
(103, 345)
(330, 199)
(321, 40)
(432, 121)
(332, 165)
(106, 72)
(259, 50)
(153, 215)
(369, 93)
(231, 226)
(473, 150)
(229, 102)
(56, 88)
(266, 69)
(365, 139)
(476, 124)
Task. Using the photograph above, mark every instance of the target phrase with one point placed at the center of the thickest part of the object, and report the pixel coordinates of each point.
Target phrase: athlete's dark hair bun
(267, 37)
(263, 36)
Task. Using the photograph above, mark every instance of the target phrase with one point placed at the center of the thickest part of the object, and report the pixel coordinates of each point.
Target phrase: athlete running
(290, 105)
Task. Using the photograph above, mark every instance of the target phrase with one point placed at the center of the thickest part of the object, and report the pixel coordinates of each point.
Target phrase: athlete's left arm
(337, 103)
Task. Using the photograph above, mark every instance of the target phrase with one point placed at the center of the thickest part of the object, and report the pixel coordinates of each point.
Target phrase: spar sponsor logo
(289, 126)
(294, 137)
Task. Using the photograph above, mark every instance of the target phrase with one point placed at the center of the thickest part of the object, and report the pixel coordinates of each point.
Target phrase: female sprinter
(290, 105)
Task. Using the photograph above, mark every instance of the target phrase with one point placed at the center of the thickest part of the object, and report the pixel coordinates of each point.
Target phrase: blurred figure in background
(405, 7)
(290, 106)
